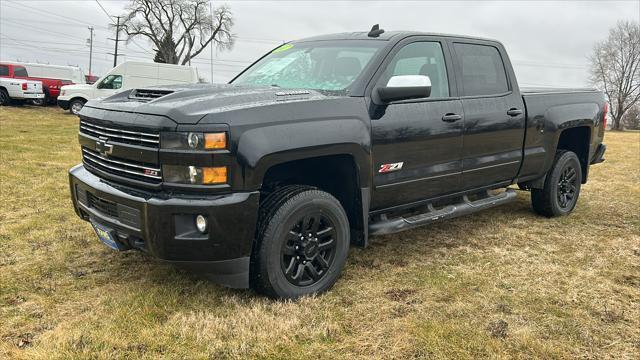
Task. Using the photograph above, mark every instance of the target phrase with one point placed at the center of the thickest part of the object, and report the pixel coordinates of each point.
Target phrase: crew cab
(266, 181)
(18, 90)
(50, 87)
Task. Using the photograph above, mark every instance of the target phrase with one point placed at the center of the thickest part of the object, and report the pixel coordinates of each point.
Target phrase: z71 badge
(386, 168)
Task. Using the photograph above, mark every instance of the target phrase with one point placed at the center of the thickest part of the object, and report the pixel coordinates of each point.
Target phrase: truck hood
(77, 87)
(188, 104)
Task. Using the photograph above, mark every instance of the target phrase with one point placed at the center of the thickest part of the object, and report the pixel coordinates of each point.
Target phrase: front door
(417, 144)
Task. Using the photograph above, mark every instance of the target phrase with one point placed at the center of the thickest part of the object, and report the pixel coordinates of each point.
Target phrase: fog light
(201, 223)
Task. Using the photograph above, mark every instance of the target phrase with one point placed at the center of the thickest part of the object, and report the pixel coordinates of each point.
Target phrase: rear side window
(482, 69)
(4, 70)
(20, 71)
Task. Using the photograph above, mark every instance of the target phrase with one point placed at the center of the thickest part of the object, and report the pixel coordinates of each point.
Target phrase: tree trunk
(617, 124)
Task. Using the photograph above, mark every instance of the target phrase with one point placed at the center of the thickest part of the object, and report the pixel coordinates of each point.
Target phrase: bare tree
(179, 29)
(631, 119)
(615, 68)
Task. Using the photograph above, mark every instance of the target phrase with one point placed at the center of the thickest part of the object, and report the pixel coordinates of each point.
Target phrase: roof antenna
(375, 31)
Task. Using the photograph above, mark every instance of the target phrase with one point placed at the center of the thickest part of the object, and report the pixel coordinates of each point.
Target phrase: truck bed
(548, 111)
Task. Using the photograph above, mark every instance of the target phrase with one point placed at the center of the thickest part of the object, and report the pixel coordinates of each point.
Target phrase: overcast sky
(548, 41)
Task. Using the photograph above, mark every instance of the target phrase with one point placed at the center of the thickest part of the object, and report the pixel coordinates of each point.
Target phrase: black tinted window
(20, 71)
(482, 70)
(4, 70)
(421, 58)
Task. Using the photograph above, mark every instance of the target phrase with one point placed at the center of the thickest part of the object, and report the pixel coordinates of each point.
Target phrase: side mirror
(405, 87)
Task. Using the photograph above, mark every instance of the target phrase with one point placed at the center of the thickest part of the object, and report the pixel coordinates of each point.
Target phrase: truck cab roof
(386, 36)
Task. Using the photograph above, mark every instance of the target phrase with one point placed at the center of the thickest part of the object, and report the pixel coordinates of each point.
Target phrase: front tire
(75, 106)
(561, 188)
(303, 241)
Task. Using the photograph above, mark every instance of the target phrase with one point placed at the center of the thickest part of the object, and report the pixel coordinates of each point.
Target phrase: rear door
(494, 123)
(417, 154)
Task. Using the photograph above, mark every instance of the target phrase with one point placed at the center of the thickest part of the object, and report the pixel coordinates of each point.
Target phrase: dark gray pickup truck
(266, 181)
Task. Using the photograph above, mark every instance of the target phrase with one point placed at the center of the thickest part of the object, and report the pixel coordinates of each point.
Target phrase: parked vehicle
(266, 181)
(128, 75)
(90, 79)
(70, 74)
(18, 90)
(50, 87)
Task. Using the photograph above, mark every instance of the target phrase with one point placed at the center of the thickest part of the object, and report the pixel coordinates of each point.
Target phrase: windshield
(319, 65)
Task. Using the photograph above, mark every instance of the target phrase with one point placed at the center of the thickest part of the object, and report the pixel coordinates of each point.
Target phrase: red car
(51, 87)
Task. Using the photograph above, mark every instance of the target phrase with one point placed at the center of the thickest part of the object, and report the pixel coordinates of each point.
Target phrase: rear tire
(561, 188)
(302, 243)
(75, 106)
(4, 98)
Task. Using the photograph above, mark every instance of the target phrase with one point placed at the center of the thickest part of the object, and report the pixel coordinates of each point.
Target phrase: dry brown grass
(502, 283)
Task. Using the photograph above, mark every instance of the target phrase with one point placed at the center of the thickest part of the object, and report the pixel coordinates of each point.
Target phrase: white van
(128, 75)
(71, 74)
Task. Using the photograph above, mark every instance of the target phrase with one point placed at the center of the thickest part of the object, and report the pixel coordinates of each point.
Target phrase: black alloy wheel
(567, 187)
(309, 249)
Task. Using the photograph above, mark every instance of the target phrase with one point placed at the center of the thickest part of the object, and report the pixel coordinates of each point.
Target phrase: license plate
(107, 236)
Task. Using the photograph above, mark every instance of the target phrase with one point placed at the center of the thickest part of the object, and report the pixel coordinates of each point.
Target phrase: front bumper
(164, 226)
(64, 104)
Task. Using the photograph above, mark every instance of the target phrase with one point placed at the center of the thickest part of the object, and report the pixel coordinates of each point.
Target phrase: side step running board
(390, 226)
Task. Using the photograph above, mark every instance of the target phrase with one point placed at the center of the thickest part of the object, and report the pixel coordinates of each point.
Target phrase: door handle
(451, 117)
(514, 112)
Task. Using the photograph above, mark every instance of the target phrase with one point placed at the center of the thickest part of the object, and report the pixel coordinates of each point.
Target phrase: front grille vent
(104, 206)
(122, 167)
(148, 94)
(110, 133)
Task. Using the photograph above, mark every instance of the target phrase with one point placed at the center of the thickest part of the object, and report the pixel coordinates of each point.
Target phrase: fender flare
(262, 148)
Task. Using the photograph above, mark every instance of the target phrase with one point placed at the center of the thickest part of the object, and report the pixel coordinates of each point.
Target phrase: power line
(12, 3)
(66, 24)
(105, 11)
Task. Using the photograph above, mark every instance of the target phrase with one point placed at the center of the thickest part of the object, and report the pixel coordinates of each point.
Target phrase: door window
(111, 82)
(482, 70)
(20, 71)
(421, 58)
(4, 70)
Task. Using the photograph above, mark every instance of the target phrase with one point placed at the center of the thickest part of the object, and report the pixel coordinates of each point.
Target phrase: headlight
(194, 174)
(193, 140)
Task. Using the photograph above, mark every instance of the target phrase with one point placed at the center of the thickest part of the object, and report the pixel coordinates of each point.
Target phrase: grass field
(502, 283)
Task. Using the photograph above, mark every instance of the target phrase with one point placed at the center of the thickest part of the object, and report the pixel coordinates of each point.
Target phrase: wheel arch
(77, 97)
(336, 174)
(578, 140)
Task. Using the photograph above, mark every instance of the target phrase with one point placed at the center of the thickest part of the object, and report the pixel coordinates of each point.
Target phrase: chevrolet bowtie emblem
(103, 148)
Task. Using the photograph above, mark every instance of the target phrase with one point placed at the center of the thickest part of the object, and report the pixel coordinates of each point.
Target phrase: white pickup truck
(19, 90)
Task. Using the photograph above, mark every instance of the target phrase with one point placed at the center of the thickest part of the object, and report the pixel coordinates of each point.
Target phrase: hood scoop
(148, 94)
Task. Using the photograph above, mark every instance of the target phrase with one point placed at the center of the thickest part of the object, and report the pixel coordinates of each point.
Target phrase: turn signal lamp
(214, 175)
(215, 141)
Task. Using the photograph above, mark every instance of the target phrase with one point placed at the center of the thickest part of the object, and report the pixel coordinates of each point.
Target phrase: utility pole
(117, 40)
(211, 44)
(90, 48)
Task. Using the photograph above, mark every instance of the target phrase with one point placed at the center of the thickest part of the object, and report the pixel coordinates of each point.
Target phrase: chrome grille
(122, 167)
(147, 139)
